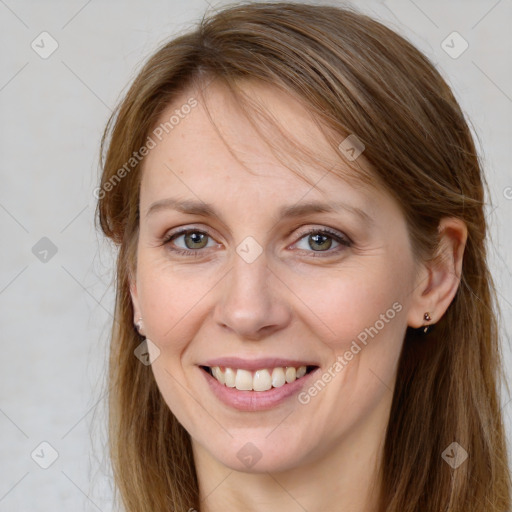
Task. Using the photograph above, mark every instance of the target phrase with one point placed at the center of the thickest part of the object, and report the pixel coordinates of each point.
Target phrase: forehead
(216, 141)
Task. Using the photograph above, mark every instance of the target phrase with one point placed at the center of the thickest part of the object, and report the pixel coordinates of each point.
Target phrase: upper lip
(256, 364)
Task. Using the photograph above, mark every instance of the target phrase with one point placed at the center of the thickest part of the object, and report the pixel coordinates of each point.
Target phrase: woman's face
(240, 276)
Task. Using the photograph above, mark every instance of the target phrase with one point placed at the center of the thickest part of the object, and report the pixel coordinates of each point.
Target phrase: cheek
(347, 302)
(170, 301)
(362, 316)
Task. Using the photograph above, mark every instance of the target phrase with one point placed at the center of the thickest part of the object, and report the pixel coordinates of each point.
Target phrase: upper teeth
(260, 380)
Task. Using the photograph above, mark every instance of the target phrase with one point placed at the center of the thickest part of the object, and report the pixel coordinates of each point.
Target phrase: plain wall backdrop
(64, 68)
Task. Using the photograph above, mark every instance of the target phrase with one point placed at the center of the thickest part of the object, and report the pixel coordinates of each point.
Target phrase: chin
(255, 453)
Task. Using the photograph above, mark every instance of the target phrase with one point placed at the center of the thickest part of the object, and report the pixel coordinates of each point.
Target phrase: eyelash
(341, 239)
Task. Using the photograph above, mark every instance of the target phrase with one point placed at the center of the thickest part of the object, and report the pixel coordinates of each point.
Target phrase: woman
(304, 314)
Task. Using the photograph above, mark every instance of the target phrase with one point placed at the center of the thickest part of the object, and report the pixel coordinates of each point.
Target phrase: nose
(252, 301)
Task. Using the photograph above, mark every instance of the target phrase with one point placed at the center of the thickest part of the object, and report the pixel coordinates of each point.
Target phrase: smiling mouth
(259, 380)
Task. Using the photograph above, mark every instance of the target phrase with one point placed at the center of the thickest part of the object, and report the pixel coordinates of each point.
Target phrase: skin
(293, 301)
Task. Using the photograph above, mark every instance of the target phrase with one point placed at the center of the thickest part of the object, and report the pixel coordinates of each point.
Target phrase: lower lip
(255, 400)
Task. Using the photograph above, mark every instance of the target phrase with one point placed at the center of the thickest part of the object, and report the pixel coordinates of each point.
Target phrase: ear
(135, 298)
(439, 279)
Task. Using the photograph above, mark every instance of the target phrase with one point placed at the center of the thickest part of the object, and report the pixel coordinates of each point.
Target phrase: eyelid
(324, 229)
(186, 228)
(181, 231)
(339, 236)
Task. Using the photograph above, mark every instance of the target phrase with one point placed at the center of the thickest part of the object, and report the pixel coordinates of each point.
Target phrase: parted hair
(356, 76)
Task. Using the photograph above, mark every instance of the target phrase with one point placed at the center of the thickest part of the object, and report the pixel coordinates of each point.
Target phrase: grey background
(55, 314)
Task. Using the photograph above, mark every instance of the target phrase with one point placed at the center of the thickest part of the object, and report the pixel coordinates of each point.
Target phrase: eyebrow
(291, 211)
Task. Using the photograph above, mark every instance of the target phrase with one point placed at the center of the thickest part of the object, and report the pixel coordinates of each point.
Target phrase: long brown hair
(356, 77)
